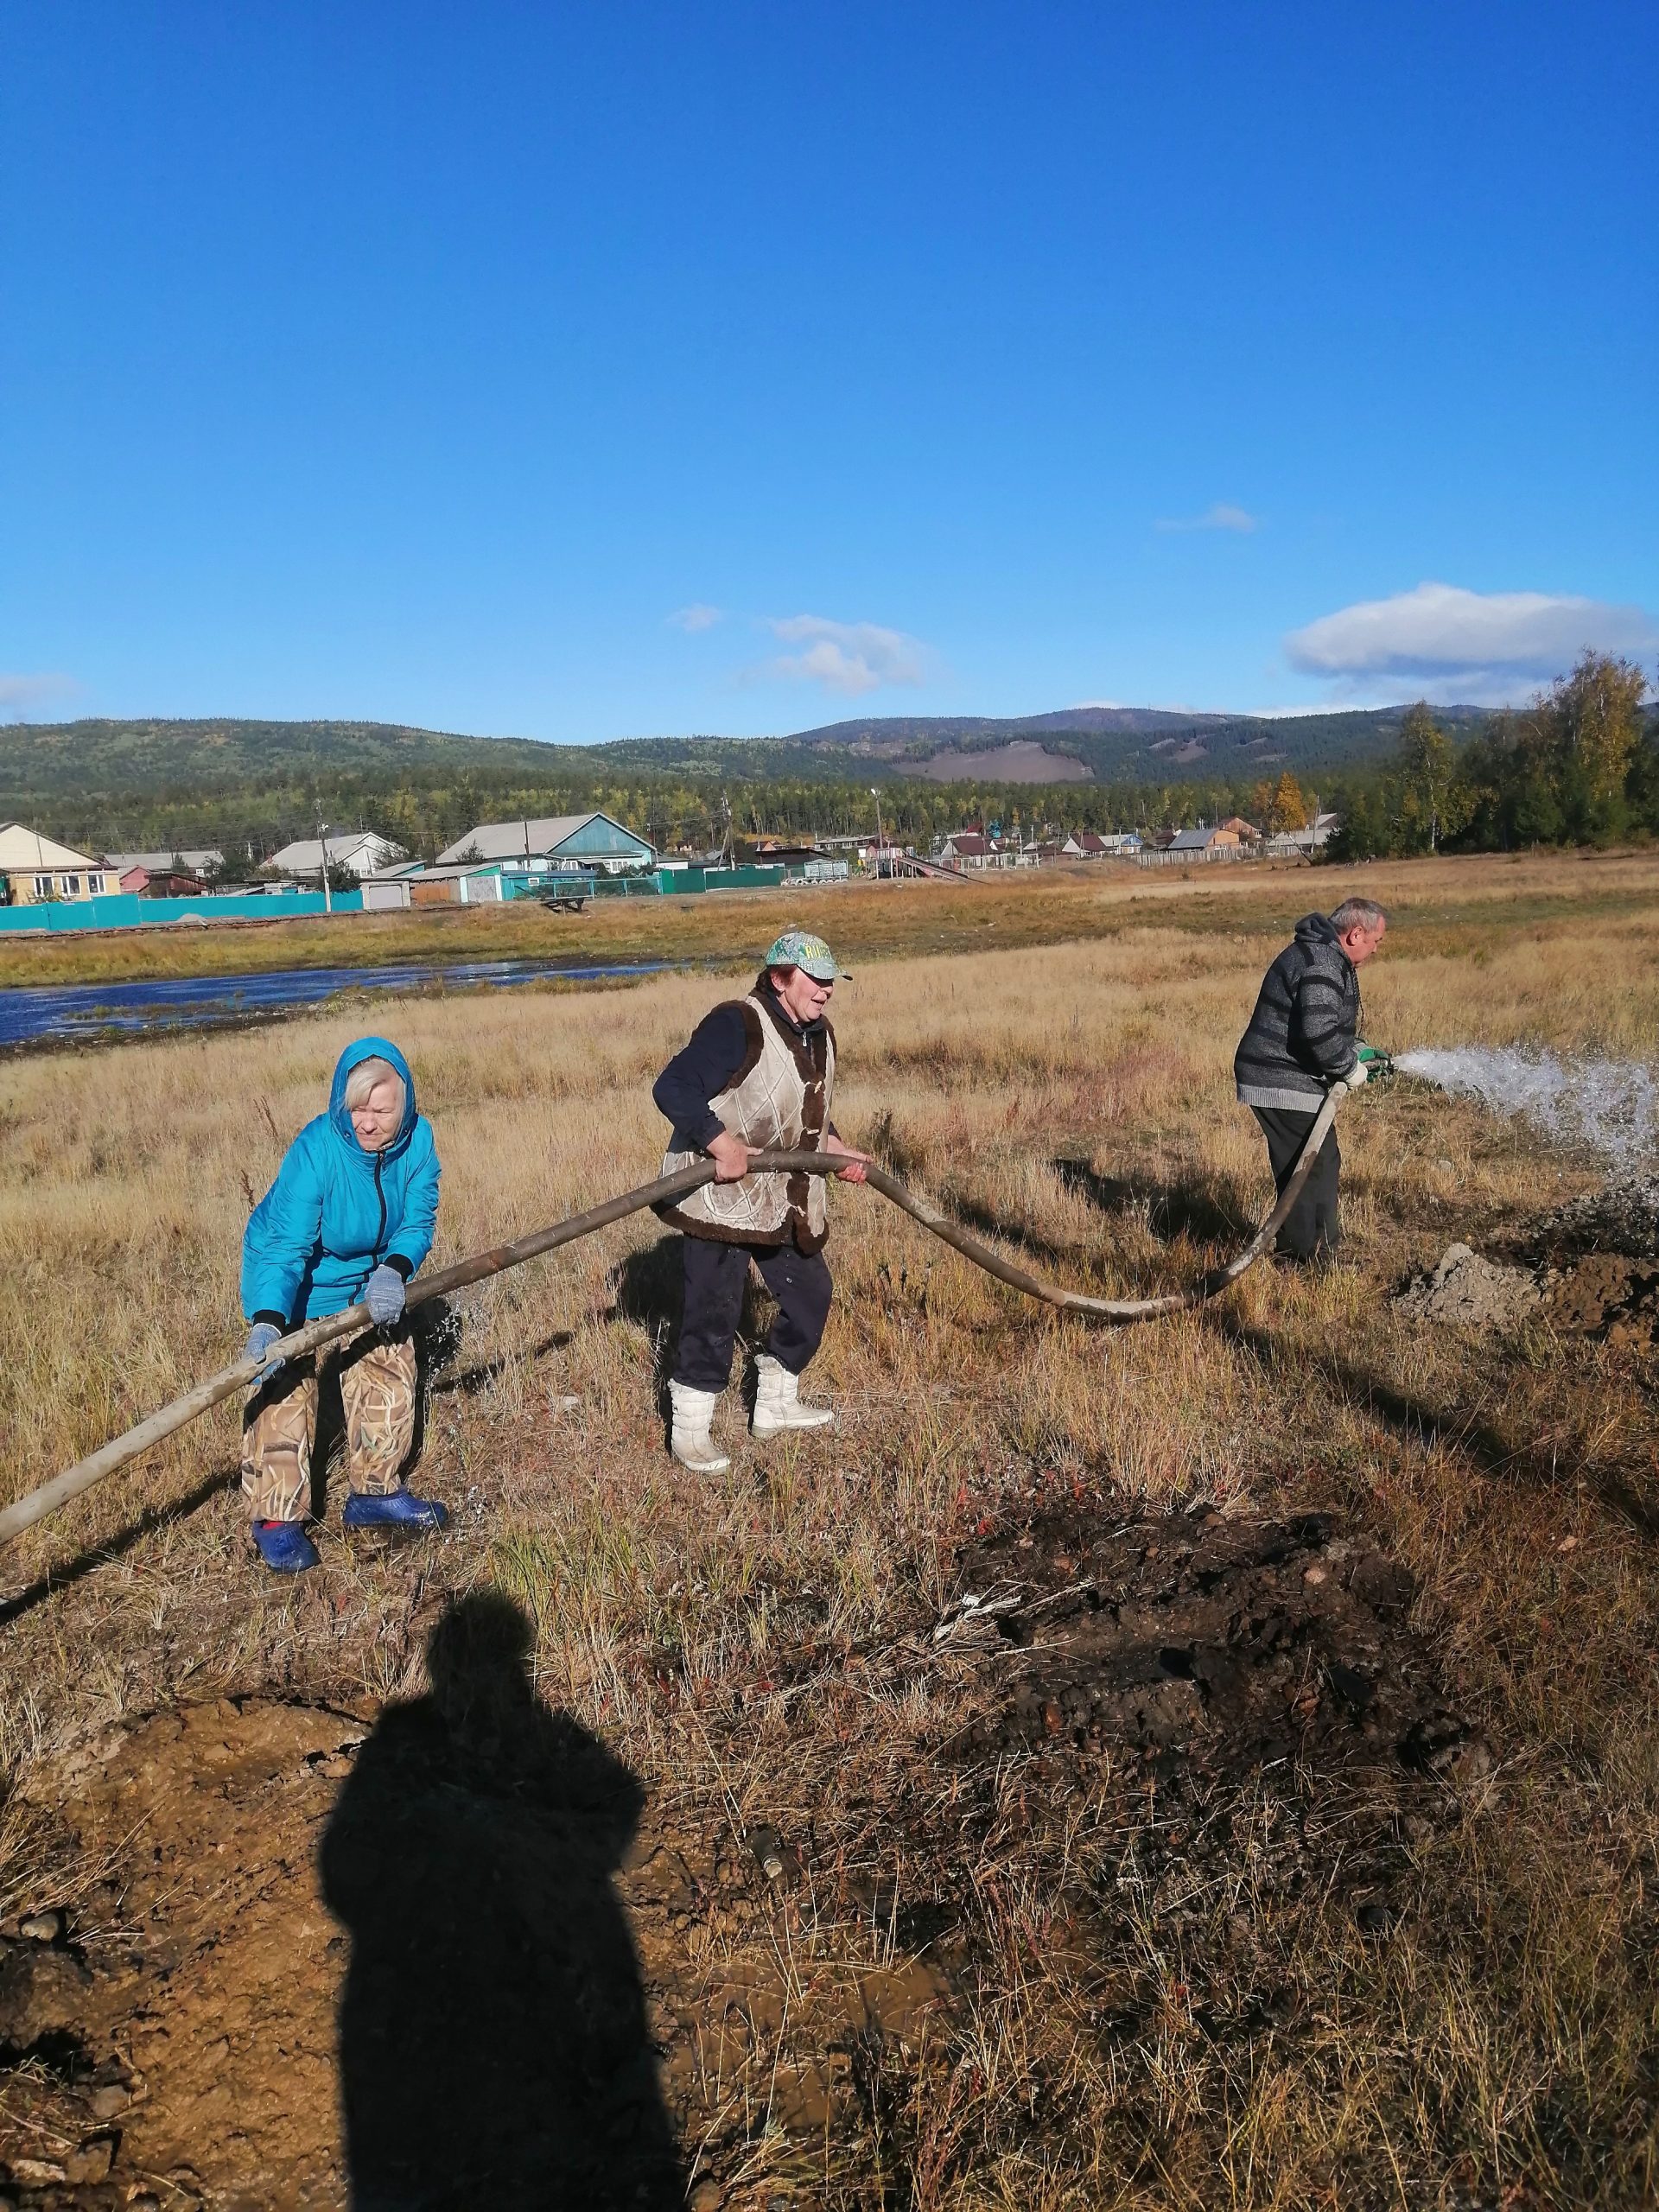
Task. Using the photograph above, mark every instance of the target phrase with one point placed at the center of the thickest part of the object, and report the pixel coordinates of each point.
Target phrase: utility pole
(323, 840)
(876, 796)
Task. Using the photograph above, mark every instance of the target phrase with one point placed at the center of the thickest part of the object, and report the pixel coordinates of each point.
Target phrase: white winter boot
(778, 1400)
(691, 1442)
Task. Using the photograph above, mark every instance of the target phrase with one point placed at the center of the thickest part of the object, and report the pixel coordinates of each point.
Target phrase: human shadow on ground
(493, 2046)
(648, 1287)
(996, 1229)
(471, 1382)
(58, 1578)
(1191, 1210)
(1171, 1211)
(1477, 1440)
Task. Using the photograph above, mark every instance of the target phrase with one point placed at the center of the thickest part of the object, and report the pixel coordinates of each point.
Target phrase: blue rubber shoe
(394, 1508)
(284, 1546)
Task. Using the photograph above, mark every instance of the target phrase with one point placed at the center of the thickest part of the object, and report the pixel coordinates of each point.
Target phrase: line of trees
(1578, 767)
(425, 811)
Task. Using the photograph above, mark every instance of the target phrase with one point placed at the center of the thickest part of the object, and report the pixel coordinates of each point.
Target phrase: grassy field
(1048, 1973)
(866, 920)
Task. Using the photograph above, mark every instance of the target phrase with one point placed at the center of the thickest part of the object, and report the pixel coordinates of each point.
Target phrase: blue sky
(579, 373)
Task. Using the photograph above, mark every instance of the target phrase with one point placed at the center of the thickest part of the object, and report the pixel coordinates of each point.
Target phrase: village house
(966, 849)
(588, 841)
(778, 852)
(143, 871)
(166, 882)
(361, 852)
(35, 869)
(1203, 842)
(1302, 844)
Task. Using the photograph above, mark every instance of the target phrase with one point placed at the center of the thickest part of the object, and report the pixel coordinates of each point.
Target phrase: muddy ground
(454, 1954)
(1591, 1272)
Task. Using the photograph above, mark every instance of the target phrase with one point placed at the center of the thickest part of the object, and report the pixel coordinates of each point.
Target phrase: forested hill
(43, 761)
(1133, 744)
(107, 785)
(162, 755)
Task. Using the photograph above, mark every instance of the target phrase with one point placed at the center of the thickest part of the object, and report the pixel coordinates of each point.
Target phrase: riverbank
(862, 920)
(54, 1015)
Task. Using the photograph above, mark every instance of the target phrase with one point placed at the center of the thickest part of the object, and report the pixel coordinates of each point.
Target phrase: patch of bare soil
(1464, 1290)
(457, 1956)
(1606, 1296)
(443, 1962)
(1609, 1297)
(1622, 1217)
(1234, 1642)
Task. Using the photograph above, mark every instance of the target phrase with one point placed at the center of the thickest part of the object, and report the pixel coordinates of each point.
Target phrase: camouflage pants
(379, 1394)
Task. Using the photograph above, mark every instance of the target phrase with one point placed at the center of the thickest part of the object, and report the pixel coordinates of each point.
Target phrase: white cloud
(1221, 516)
(695, 616)
(847, 657)
(1484, 647)
(19, 692)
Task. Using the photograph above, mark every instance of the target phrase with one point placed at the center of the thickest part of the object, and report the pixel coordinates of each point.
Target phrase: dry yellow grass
(1504, 2040)
(1041, 907)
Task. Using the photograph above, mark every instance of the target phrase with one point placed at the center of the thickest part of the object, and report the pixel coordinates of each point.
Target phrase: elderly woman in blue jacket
(348, 1220)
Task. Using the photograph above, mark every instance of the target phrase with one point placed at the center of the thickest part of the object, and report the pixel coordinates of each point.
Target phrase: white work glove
(261, 1337)
(1359, 1073)
(384, 1296)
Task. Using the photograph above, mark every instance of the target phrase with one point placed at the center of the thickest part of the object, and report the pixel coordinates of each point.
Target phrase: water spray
(1610, 1108)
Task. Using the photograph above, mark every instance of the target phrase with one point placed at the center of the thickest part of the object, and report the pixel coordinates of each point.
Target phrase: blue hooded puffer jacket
(335, 1212)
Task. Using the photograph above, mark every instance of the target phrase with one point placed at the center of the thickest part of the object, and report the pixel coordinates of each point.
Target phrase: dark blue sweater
(702, 1069)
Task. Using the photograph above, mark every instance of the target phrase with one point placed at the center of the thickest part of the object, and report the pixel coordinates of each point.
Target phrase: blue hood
(336, 1212)
(370, 1048)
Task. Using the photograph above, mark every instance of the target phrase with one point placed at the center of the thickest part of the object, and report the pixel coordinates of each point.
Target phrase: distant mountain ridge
(953, 730)
(167, 755)
(1123, 744)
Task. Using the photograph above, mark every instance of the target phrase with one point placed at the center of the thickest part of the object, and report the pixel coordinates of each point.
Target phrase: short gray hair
(1359, 914)
(364, 1076)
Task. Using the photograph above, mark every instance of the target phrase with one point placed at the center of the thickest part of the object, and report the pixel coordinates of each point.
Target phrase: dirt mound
(1231, 1643)
(1604, 1296)
(1464, 1290)
(1622, 1216)
(1609, 1297)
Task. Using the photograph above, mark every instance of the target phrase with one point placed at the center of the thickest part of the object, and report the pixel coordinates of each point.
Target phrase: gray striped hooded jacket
(1304, 1032)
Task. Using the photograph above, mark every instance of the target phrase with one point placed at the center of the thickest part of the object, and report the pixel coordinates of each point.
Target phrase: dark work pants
(1312, 1224)
(716, 1274)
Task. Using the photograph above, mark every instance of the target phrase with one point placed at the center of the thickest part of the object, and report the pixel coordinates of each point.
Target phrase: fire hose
(120, 1449)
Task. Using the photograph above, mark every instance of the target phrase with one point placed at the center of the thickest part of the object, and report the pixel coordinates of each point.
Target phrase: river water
(35, 1014)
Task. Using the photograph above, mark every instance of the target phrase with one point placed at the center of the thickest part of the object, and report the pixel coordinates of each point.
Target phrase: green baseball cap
(800, 949)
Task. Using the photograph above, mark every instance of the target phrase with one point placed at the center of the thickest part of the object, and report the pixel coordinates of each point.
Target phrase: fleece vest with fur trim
(778, 1100)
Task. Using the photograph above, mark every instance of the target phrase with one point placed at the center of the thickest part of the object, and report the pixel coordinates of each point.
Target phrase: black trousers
(1313, 1225)
(716, 1274)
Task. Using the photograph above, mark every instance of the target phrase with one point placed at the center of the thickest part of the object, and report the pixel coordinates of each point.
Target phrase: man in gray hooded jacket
(1303, 1040)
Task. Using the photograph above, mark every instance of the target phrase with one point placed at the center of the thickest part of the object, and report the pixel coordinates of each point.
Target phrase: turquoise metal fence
(126, 910)
(671, 880)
